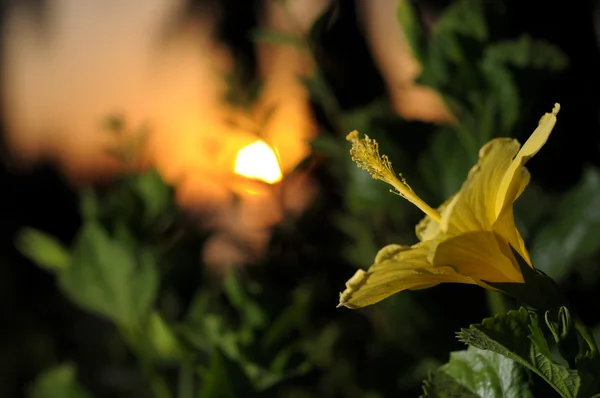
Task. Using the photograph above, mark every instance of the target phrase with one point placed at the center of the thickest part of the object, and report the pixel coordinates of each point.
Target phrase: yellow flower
(468, 238)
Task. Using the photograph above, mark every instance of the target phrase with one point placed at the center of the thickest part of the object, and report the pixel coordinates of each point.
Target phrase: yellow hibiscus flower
(468, 239)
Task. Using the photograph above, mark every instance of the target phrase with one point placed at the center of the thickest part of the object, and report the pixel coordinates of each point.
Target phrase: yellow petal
(399, 268)
(474, 208)
(511, 184)
(481, 255)
(505, 227)
(427, 228)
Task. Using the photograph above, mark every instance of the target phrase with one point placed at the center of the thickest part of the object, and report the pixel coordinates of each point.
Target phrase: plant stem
(157, 383)
(185, 387)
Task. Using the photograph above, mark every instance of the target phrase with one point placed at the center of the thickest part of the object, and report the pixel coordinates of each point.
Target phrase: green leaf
(572, 234)
(164, 343)
(89, 206)
(215, 381)
(362, 118)
(58, 382)
(505, 92)
(331, 146)
(442, 385)
(526, 52)
(321, 92)
(445, 164)
(463, 17)
(106, 277)
(412, 27)
(155, 194)
(43, 249)
(517, 335)
(478, 373)
(294, 316)
(271, 36)
(251, 312)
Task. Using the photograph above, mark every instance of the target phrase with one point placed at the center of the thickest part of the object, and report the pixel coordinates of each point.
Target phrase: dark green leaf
(43, 249)
(294, 316)
(155, 194)
(58, 382)
(271, 36)
(442, 385)
(334, 147)
(526, 52)
(89, 204)
(478, 373)
(362, 118)
(505, 92)
(215, 380)
(463, 17)
(164, 343)
(321, 92)
(573, 233)
(253, 315)
(412, 27)
(109, 279)
(445, 164)
(517, 335)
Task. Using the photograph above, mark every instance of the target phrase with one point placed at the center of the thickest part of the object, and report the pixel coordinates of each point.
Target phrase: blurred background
(179, 212)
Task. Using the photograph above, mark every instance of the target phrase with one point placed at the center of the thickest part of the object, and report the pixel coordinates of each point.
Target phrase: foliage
(59, 382)
(478, 373)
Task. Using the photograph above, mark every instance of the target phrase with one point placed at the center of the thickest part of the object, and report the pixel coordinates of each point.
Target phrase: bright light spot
(258, 161)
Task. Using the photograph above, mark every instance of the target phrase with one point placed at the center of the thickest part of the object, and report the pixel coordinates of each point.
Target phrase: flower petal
(427, 228)
(398, 268)
(474, 208)
(511, 184)
(505, 227)
(480, 255)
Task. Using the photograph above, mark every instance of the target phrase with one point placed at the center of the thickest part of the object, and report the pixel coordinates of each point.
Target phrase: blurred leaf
(517, 335)
(321, 92)
(463, 17)
(155, 194)
(109, 279)
(271, 36)
(292, 317)
(58, 382)
(415, 375)
(363, 247)
(478, 373)
(412, 28)
(253, 315)
(445, 165)
(362, 118)
(505, 91)
(334, 147)
(89, 206)
(320, 349)
(526, 52)
(215, 381)
(531, 208)
(573, 232)
(164, 342)
(43, 249)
